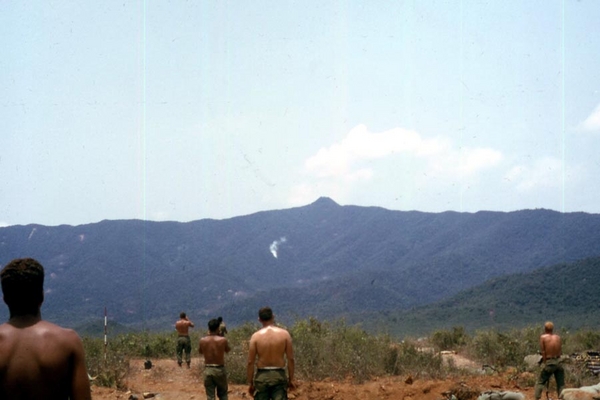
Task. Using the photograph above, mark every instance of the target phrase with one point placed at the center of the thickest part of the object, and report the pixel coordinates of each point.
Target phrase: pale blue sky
(184, 110)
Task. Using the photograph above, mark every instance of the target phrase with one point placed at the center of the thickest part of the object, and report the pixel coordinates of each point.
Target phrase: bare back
(183, 327)
(550, 346)
(41, 361)
(271, 344)
(213, 348)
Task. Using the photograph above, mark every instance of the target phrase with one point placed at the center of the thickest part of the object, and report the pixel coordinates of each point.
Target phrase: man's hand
(251, 389)
(291, 385)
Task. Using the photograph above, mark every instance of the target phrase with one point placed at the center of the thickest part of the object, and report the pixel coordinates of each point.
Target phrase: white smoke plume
(275, 246)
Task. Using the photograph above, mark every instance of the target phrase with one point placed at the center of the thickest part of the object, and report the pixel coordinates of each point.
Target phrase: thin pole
(105, 340)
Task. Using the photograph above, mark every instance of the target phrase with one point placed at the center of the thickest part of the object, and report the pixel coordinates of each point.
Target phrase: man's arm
(200, 347)
(543, 348)
(80, 381)
(289, 353)
(250, 367)
(227, 348)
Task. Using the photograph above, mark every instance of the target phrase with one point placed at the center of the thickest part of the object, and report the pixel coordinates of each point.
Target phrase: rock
(533, 360)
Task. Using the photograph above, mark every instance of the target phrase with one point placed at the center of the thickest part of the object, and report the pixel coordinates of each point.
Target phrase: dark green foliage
(564, 293)
(449, 339)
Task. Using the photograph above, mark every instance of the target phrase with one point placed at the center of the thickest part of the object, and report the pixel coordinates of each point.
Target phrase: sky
(186, 110)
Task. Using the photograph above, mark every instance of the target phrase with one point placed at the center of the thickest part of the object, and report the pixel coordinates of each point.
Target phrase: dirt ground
(166, 380)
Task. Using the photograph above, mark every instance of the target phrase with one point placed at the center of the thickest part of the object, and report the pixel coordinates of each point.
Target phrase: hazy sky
(184, 110)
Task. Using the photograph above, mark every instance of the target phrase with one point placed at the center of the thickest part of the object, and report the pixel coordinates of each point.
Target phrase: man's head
(265, 314)
(213, 325)
(182, 315)
(549, 327)
(23, 286)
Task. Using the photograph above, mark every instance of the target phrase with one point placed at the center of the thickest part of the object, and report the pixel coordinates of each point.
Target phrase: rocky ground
(165, 380)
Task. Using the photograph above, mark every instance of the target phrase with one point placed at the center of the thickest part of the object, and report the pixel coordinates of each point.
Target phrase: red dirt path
(168, 381)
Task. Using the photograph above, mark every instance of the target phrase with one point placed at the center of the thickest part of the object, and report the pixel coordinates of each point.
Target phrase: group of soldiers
(41, 360)
(270, 351)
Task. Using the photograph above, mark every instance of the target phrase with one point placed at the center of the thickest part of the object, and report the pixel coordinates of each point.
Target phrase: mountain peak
(325, 202)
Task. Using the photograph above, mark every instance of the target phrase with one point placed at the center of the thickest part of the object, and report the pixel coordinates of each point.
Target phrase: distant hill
(565, 293)
(322, 259)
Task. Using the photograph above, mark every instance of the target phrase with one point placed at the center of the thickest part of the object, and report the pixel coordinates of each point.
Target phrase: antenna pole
(105, 340)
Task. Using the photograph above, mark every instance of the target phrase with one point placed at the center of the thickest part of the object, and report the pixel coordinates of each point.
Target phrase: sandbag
(501, 395)
(582, 393)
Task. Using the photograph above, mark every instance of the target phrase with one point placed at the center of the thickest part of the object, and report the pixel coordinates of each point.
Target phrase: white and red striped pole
(105, 340)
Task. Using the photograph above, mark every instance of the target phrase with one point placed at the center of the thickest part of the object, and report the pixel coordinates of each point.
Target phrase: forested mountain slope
(322, 258)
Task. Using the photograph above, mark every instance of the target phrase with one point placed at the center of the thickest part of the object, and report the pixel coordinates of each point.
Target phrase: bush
(237, 358)
(449, 340)
(338, 351)
(406, 358)
(581, 341)
(334, 350)
(502, 350)
(108, 367)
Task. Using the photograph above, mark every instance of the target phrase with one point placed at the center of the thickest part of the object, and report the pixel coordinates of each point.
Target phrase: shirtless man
(213, 347)
(38, 360)
(272, 346)
(184, 344)
(551, 348)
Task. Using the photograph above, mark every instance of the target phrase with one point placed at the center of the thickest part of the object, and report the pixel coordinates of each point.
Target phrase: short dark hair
(213, 325)
(23, 286)
(265, 314)
(182, 315)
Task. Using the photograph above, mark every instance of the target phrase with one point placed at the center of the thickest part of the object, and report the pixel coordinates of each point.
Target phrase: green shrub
(237, 358)
(407, 358)
(107, 366)
(334, 350)
(338, 351)
(582, 340)
(501, 350)
(449, 340)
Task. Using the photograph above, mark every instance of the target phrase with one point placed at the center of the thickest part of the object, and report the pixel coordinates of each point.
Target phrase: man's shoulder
(57, 330)
(6, 331)
(281, 330)
(272, 330)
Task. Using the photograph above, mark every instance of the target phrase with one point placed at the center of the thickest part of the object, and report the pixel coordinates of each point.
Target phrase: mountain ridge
(344, 258)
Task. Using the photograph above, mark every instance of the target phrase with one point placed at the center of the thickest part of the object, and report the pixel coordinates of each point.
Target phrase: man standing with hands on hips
(551, 349)
(270, 347)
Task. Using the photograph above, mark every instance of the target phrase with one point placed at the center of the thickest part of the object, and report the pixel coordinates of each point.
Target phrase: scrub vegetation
(337, 351)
